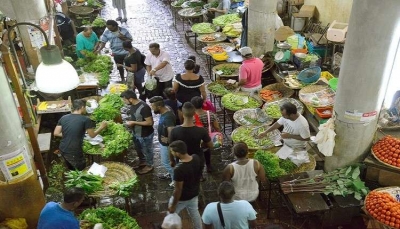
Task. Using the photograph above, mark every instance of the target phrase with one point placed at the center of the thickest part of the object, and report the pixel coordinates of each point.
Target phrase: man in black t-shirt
(72, 128)
(165, 125)
(141, 123)
(187, 183)
(192, 135)
(66, 27)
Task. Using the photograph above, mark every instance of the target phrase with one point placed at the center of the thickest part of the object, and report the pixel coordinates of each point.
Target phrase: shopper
(158, 65)
(244, 174)
(173, 103)
(133, 64)
(250, 71)
(165, 125)
(236, 214)
(121, 7)
(187, 183)
(116, 36)
(66, 28)
(296, 131)
(86, 41)
(141, 123)
(201, 117)
(196, 69)
(192, 135)
(61, 215)
(72, 128)
(223, 8)
(189, 84)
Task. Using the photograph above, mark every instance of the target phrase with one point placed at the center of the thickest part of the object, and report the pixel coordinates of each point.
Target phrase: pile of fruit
(388, 150)
(383, 207)
(270, 95)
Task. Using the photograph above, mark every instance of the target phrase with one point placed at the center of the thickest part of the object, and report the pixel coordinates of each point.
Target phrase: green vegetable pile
(236, 102)
(101, 64)
(125, 189)
(88, 182)
(111, 218)
(178, 3)
(213, 4)
(226, 19)
(196, 4)
(252, 121)
(273, 111)
(218, 89)
(94, 4)
(113, 100)
(109, 108)
(226, 70)
(56, 175)
(116, 140)
(203, 28)
(99, 22)
(274, 166)
(246, 134)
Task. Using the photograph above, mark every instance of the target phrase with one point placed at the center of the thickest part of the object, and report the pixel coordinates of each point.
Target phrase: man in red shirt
(250, 71)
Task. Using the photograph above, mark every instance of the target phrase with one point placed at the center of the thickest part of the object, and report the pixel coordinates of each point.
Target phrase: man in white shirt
(296, 131)
(236, 214)
(158, 65)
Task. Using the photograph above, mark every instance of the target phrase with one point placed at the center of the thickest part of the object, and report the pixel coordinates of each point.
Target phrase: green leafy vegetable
(226, 70)
(99, 22)
(88, 182)
(94, 4)
(226, 19)
(104, 113)
(203, 28)
(270, 163)
(273, 111)
(178, 3)
(111, 218)
(113, 100)
(246, 135)
(125, 189)
(235, 102)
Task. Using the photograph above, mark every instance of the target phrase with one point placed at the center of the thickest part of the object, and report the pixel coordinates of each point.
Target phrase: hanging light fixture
(53, 75)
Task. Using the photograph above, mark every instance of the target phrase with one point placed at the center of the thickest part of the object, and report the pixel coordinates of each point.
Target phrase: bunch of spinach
(113, 100)
(88, 182)
(111, 217)
(125, 189)
(270, 163)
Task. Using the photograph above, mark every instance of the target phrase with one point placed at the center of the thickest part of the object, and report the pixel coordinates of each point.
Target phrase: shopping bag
(172, 221)
(209, 106)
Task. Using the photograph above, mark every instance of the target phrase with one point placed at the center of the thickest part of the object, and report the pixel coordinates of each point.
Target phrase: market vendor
(86, 40)
(72, 128)
(223, 8)
(250, 71)
(296, 131)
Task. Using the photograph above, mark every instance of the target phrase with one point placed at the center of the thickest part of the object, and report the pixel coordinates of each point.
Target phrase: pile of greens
(273, 111)
(344, 181)
(226, 19)
(109, 108)
(111, 217)
(125, 189)
(274, 166)
(94, 4)
(56, 175)
(101, 64)
(99, 22)
(178, 3)
(116, 140)
(245, 134)
(113, 100)
(235, 102)
(203, 28)
(88, 182)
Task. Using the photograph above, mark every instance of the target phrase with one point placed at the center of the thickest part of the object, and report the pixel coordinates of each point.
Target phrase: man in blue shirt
(61, 215)
(116, 36)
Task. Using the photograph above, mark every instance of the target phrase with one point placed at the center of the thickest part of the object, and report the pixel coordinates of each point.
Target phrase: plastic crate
(320, 50)
(320, 111)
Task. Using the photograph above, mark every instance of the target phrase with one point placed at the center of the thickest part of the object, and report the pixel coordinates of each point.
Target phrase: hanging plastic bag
(172, 221)
(326, 138)
(150, 83)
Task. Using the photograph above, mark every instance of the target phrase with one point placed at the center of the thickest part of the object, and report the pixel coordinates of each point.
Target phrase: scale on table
(283, 54)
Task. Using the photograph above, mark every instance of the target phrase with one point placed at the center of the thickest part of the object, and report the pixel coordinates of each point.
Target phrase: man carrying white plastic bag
(172, 221)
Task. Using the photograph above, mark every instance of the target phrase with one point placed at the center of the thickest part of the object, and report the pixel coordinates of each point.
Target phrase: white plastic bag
(150, 83)
(172, 221)
(326, 138)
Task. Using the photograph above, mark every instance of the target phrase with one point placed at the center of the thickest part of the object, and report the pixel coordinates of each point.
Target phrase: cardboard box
(306, 11)
(296, 2)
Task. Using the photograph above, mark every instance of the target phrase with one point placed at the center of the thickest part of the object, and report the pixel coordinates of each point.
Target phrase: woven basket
(265, 147)
(297, 103)
(387, 164)
(116, 172)
(260, 102)
(81, 10)
(231, 65)
(312, 89)
(251, 113)
(228, 86)
(286, 92)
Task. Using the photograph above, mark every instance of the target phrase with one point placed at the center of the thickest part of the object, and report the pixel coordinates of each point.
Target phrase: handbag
(216, 137)
(221, 217)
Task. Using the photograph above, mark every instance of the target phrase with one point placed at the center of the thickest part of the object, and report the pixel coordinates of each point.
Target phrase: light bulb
(56, 78)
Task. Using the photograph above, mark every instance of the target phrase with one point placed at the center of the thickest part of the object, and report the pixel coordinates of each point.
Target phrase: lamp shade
(55, 75)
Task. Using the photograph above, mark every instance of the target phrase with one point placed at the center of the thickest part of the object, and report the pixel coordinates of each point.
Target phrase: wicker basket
(387, 164)
(116, 172)
(260, 102)
(228, 86)
(240, 115)
(272, 135)
(286, 92)
(297, 103)
(81, 10)
(231, 65)
(312, 89)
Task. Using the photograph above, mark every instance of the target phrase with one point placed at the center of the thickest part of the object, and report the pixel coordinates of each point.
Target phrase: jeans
(144, 148)
(162, 85)
(119, 59)
(192, 207)
(164, 153)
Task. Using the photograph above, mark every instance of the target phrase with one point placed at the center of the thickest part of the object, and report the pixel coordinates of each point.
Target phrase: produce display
(344, 181)
(88, 182)
(220, 88)
(228, 70)
(99, 22)
(233, 30)
(322, 98)
(203, 28)
(384, 207)
(109, 108)
(226, 19)
(273, 111)
(270, 95)
(248, 135)
(178, 3)
(214, 49)
(208, 38)
(293, 83)
(94, 4)
(101, 64)
(116, 139)
(387, 150)
(113, 100)
(274, 166)
(124, 189)
(110, 217)
(236, 102)
(213, 4)
(252, 117)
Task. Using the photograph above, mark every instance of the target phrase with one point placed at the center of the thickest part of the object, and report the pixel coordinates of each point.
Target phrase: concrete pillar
(261, 26)
(368, 58)
(25, 11)
(22, 197)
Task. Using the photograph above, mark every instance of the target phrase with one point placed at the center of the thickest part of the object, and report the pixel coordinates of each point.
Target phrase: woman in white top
(244, 174)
